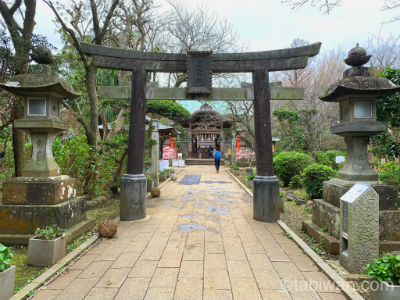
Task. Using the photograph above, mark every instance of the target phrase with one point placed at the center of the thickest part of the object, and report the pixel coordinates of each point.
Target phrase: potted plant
(47, 246)
(163, 175)
(149, 184)
(7, 273)
(235, 170)
(386, 272)
(249, 181)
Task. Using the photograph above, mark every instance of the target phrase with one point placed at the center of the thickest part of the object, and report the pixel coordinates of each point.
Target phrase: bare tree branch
(326, 5)
(70, 32)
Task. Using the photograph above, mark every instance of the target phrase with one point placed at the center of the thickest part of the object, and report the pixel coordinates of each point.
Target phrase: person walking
(217, 159)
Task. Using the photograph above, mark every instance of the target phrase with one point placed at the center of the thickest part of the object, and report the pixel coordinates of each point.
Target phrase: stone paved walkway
(200, 242)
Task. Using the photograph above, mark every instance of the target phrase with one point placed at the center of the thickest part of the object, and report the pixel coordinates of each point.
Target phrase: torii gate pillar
(133, 184)
(267, 206)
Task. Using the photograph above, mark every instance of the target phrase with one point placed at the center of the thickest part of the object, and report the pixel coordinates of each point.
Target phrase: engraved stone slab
(199, 72)
(359, 234)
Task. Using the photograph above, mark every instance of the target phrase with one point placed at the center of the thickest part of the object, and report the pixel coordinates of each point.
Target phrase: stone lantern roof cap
(358, 81)
(360, 85)
(29, 84)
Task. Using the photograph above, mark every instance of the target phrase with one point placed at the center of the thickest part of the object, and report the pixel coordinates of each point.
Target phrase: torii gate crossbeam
(200, 65)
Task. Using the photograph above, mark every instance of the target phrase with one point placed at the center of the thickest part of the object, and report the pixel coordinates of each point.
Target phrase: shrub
(289, 164)
(385, 268)
(163, 172)
(234, 167)
(148, 178)
(49, 233)
(296, 182)
(328, 158)
(93, 168)
(390, 173)
(250, 177)
(313, 177)
(5, 257)
(321, 158)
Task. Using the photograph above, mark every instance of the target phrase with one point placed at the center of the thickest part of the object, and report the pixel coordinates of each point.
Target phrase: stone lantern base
(336, 187)
(325, 225)
(31, 202)
(39, 190)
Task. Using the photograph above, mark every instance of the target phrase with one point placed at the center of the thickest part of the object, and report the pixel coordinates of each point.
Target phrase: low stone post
(155, 149)
(233, 148)
(359, 229)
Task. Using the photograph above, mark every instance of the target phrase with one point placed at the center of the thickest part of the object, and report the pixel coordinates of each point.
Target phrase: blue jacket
(217, 155)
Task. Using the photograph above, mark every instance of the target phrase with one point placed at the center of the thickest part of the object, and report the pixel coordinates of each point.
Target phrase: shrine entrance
(206, 132)
(199, 67)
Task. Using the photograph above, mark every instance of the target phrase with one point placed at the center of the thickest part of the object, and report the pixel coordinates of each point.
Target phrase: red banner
(172, 139)
(237, 144)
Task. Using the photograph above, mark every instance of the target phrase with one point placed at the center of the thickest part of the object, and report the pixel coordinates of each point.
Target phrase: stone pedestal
(24, 219)
(31, 202)
(336, 187)
(267, 206)
(133, 197)
(39, 190)
(326, 215)
(359, 229)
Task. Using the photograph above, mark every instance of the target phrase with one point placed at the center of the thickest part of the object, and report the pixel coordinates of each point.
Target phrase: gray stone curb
(343, 285)
(38, 282)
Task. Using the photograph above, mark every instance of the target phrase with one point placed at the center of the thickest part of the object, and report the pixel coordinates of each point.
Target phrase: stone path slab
(200, 242)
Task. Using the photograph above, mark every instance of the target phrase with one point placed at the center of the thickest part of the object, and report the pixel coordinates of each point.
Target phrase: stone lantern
(357, 93)
(42, 196)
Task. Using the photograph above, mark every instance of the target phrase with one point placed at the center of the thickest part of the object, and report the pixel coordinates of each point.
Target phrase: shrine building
(206, 129)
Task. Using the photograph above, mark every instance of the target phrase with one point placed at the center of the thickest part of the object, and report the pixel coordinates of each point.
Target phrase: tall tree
(241, 113)
(198, 30)
(385, 51)
(74, 21)
(21, 37)
(316, 115)
(296, 78)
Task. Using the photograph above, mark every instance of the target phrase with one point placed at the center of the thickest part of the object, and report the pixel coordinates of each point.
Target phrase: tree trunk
(118, 124)
(18, 141)
(93, 134)
(19, 136)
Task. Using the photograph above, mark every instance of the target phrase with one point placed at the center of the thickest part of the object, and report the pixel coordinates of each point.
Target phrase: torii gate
(154, 92)
(200, 66)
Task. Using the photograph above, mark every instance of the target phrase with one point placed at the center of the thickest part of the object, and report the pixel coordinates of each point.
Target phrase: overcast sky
(271, 24)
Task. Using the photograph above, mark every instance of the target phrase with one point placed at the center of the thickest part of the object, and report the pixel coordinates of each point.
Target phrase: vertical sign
(199, 72)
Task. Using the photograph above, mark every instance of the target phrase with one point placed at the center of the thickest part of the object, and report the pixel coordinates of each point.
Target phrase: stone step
(202, 161)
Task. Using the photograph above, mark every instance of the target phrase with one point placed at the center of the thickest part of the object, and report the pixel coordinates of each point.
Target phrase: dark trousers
(217, 161)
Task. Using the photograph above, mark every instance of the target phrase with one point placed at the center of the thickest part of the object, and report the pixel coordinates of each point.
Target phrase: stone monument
(42, 196)
(356, 93)
(359, 230)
